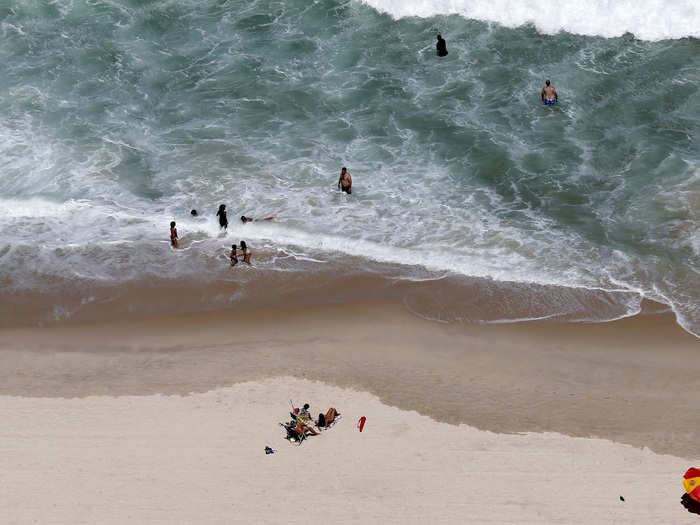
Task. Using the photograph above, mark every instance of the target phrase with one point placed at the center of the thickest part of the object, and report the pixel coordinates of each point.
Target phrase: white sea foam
(645, 19)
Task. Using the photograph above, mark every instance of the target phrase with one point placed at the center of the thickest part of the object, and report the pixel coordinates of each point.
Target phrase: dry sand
(70, 452)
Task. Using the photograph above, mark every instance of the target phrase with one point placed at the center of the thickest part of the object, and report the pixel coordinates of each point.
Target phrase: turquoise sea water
(117, 117)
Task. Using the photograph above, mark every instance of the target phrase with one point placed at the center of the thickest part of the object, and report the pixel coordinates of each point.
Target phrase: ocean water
(118, 116)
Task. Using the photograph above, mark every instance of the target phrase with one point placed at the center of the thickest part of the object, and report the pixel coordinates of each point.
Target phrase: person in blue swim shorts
(549, 94)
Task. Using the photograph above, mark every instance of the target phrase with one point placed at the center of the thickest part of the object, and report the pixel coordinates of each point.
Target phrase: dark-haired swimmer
(246, 254)
(223, 221)
(441, 46)
(345, 181)
(549, 95)
(234, 255)
(173, 234)
(250, 219)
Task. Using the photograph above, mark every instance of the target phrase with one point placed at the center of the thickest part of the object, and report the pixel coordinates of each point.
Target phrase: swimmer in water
(234, 256)
(549, 95)
(173, 234)
(441, 46)
(246, 254)
(193, 213)
(221, 214)
(345, 181)
(245, 219)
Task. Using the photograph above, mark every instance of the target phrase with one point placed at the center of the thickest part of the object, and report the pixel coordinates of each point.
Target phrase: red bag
(361, 423)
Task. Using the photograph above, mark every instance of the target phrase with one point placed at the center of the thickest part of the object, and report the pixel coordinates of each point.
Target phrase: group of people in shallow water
(244, 254)
(549, 94)
(344, 184)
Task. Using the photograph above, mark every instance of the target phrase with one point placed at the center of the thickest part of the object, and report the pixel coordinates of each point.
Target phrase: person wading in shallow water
(441, 46)
(221, 214)
(345, 181)
(549, 94)
(173, 235)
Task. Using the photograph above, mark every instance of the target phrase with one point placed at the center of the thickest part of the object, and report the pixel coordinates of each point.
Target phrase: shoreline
(430, 295)
(631, 381)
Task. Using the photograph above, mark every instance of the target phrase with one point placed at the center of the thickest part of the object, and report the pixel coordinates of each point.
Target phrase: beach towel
(326, 427)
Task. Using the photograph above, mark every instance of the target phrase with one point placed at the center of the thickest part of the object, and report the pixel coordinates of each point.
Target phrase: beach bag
(361, 423)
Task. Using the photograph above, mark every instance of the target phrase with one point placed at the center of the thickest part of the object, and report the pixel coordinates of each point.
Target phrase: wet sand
(634, 381)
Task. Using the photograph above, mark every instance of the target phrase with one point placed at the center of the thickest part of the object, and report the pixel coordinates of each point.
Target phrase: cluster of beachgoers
(302, 424)
(344, 185)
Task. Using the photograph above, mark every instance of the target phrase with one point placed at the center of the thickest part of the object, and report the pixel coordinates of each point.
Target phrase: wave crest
(645, 19)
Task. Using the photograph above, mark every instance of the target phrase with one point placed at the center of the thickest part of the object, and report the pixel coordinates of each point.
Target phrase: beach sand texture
(165, 420)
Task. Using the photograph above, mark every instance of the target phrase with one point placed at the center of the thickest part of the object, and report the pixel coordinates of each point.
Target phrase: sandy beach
(164, 420)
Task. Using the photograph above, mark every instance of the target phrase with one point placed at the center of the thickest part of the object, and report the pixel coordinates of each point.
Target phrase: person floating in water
(223, 221)
(549, 95)
(250, 219)
(193, 213)
(173, 234)
(345, 181)
(441, 46)
(245, 253)
(234, 256)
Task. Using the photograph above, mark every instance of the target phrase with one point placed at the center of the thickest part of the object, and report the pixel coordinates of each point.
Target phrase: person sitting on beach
(302, 417)
(245, 219)
(345, 181)
(246, 254)
(301, 428)
(234, 257)
(325, 420)
(173, 235)
(549, 94)
(304, 413)
(441, 46)
(221, 214)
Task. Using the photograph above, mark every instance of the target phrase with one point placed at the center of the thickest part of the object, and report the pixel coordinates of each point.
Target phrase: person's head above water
(233, 246)
(546, 82)
(244, 246)
(245, 219)
(343, 169)
(222, 207)
(172, 224)
(193, 213)
(439, 37)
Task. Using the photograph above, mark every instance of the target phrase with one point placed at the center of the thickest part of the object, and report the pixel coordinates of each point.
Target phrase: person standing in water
(234, 256)
(244, 251)
(345, 181)
(549, 94)
(441, 46)
(173, 235)
(223, 221)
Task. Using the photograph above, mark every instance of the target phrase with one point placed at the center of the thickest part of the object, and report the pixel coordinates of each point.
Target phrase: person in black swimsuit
(234, 256)
(223, 221)
(441, 46)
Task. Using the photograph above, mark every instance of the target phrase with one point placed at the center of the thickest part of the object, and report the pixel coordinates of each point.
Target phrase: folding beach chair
(292, 434)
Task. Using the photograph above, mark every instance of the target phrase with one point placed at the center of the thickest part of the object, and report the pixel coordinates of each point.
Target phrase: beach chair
(292, 434)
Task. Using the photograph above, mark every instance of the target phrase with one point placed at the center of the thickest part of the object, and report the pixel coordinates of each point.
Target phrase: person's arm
(339, 181)
(556, 95)
(542, 95)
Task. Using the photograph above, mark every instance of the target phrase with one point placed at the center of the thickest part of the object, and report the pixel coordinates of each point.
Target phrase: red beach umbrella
(691, 482)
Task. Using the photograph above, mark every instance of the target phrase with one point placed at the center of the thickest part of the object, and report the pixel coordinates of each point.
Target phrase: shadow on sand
(690, 504)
